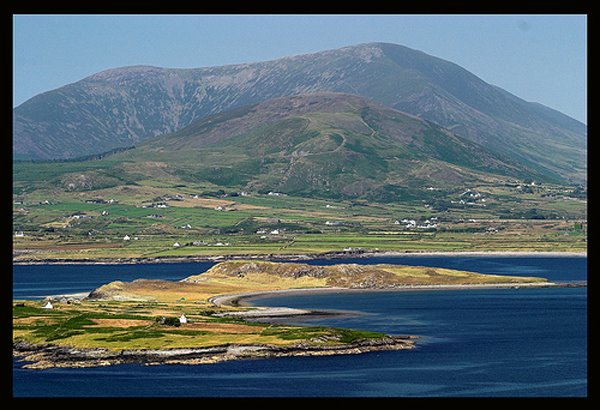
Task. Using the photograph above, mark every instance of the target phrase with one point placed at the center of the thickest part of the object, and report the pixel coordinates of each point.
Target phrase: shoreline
(50, 356)
(235, 300)
(295, 257)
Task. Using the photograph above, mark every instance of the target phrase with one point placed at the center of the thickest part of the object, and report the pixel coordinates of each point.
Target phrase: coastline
(49, 355)
(294, 257)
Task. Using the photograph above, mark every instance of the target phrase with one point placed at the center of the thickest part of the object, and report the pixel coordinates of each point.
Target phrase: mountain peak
(119, 107)
(116, 73)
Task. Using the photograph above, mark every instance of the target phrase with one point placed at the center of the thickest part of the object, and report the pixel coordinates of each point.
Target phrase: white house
(19, 234)
(275, 232)
(183, 319)
(127, 238)
(48, 305)
(176, 245)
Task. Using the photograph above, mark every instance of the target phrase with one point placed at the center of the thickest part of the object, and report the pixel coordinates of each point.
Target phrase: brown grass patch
(32, 319)
(120, 322)
(222, 327)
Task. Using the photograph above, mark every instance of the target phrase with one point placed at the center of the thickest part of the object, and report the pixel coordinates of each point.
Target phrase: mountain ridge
(120, 107)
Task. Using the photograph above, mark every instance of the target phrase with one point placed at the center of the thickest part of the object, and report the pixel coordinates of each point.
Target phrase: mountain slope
(121, 107)
(324, 144)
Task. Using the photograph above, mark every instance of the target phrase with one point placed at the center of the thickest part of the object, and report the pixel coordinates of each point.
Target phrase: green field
(61, 222)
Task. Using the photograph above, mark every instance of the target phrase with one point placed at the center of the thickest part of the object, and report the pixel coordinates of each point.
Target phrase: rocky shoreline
(51, 356)
(289, 257)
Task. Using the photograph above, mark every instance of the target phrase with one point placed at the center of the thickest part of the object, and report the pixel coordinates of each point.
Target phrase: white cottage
(183, 319)
(48, 305)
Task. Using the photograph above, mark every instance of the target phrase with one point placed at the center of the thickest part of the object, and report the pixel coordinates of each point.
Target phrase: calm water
(503, 342)
(37, 281)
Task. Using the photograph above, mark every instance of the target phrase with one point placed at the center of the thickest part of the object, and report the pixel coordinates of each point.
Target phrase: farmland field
(154, 218)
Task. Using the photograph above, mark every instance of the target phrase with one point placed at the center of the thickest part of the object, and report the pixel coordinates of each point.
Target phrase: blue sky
(540, 58)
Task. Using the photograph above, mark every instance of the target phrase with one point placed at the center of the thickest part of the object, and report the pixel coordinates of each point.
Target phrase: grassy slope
(245, 276)
(387, 166)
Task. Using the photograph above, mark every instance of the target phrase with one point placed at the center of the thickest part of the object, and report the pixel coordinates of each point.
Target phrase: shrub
(168, 321)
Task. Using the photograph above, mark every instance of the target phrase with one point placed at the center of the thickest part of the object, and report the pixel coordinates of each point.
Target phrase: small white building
(183, 319)
(127, 238)
(19, 234)
(48, 305)
(275, 232)
(176, 245)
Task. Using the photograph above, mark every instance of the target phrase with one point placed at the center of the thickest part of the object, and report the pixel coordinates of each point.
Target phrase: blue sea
(473, 343)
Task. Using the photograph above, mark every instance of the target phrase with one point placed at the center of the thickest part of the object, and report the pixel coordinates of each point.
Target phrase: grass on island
(127, 325)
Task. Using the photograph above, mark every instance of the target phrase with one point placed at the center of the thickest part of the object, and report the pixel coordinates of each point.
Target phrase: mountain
(323, 144)
(123, 106)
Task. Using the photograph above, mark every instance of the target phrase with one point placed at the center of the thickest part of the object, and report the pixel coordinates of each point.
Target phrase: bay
(491, 343)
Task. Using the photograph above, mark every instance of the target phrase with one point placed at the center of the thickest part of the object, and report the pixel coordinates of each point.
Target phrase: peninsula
(198, 320)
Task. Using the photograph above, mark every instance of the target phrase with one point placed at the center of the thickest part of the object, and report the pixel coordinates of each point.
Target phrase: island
(203, 319)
